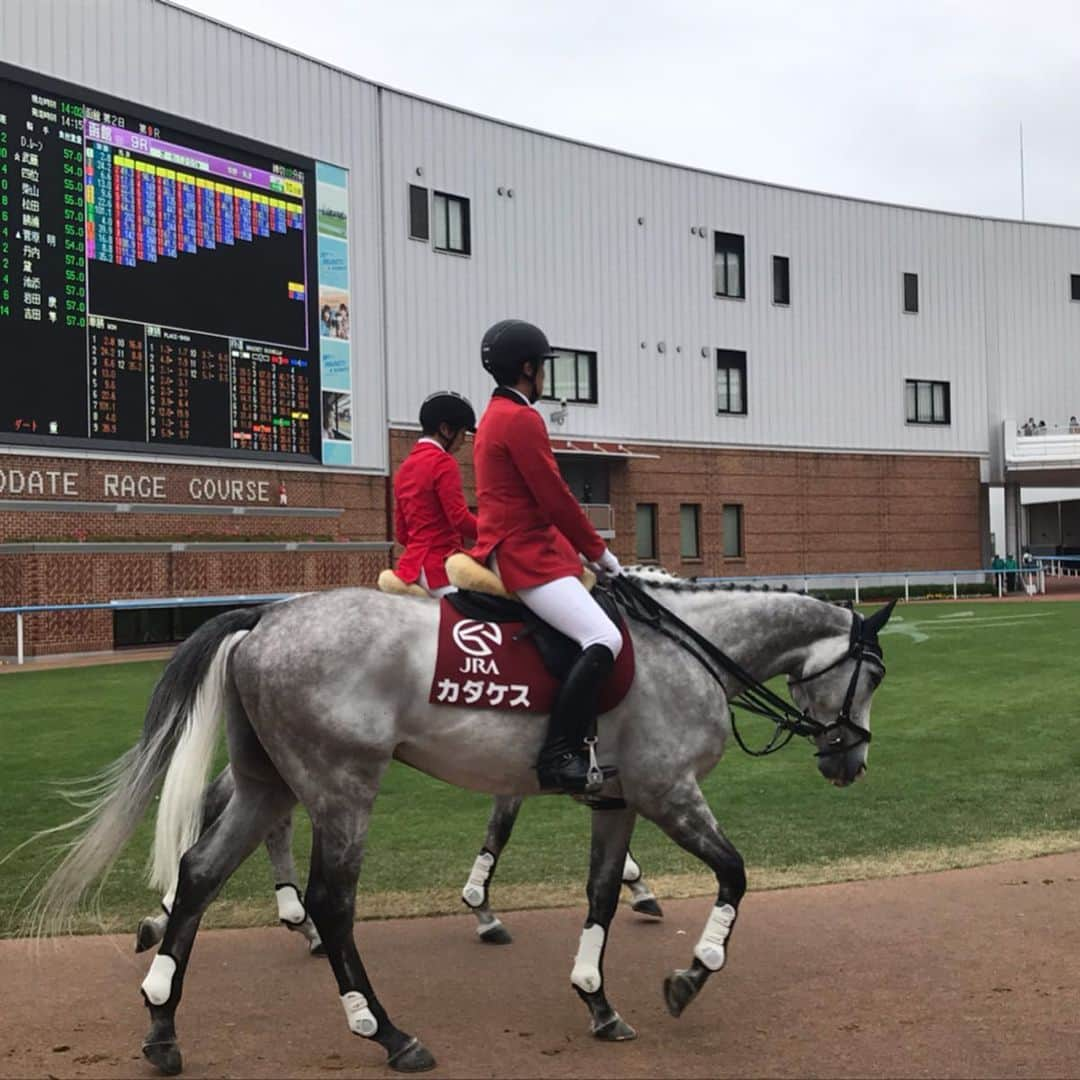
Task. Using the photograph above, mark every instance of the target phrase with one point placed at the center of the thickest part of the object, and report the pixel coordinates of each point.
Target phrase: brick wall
(76, 577)
(362, 498)
(805, 512)
(802, 512)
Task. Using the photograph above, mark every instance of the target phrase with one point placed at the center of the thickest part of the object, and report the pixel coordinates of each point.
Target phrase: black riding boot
(563, 764)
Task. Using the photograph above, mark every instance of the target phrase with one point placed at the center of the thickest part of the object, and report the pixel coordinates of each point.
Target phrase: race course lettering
(32, 482)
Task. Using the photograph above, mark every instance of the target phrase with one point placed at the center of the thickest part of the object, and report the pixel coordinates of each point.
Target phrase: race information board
(158, 281)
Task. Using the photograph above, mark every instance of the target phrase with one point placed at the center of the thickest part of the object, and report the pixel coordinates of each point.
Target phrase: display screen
(158, 281)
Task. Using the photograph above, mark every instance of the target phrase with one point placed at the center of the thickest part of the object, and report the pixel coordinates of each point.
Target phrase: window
(451, 223)
(911, 294)
(781, 280)
(419, 226)
(1074, 286)
(733, 531)
(729, 272)
(730, 381)
(690, 531)
(571, 375)
(588, 478)
(645, 528)
(927, 402)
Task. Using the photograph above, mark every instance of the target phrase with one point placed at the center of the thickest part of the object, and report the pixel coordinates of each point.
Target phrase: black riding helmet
(447, 407)
(508, 344)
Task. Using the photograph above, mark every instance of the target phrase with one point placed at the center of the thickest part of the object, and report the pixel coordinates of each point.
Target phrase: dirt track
(968, 973)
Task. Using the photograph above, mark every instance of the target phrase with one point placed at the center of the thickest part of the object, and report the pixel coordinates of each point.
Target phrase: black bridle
(754, 697)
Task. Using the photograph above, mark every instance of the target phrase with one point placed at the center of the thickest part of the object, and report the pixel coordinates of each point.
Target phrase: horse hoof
(496, 935)
(412, 1058)
(165, 1057)
(615, 1030)
(679, 991)
(648, 906)
(146, 937)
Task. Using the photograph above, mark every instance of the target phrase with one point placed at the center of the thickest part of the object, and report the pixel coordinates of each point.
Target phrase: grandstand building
(231, 273)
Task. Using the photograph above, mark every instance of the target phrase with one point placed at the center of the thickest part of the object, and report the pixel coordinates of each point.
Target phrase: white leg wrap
(361, 1019)
(586, 973)
(157, 986)
(631, 871)
(476, 887)
(290, 908)
(710, 949)
(168, 900)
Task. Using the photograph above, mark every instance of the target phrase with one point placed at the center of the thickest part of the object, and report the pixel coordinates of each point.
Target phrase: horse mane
(657, 577)
(652, 576)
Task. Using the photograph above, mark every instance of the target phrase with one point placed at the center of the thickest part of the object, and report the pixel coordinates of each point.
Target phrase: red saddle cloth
(488, 665)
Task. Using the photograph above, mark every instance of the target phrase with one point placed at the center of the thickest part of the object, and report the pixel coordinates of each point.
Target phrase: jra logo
(477, 640)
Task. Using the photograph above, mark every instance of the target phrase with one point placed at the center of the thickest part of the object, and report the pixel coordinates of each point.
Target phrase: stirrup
(571, 771)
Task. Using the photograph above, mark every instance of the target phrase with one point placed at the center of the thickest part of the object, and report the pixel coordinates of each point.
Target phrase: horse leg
(611, 831)
(152, 929)
(685, 816)
(336, 854)
(504, 813)
(643, 899)
(203, 870)
(291, 911)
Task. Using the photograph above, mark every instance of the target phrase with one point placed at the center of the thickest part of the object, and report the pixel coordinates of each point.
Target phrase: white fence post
(856, 588)
(907, 589)
(954, 593)
(19, 657)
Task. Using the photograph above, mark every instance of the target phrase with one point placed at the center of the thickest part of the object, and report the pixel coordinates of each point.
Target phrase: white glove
(608, 564)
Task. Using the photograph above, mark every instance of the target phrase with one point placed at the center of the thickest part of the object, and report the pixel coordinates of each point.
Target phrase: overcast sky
(916, 103)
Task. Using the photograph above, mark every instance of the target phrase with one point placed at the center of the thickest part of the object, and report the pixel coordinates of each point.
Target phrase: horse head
(836, 699)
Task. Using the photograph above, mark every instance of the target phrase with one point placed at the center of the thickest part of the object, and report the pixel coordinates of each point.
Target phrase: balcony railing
(602, 516)
(1057, 446)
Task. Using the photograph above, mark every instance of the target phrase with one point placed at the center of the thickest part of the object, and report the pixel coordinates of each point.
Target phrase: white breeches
(436, 593)
(566, 604)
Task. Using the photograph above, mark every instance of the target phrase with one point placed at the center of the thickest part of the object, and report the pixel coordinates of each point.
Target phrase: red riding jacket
(431, 518)
(525, 511)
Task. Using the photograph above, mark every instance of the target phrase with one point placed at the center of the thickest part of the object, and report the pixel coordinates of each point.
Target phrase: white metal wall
(157, 55)
(567, 251)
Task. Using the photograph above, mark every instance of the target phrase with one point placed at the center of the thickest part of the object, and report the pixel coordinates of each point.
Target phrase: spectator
(998, 566)
(1029, 426)
(1010, 566)
(1074, 426)
(1042, 430)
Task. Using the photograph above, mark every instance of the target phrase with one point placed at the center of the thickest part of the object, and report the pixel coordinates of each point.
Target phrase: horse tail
(178, 740)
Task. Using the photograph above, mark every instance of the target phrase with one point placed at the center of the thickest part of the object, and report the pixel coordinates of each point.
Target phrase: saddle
(495, 653)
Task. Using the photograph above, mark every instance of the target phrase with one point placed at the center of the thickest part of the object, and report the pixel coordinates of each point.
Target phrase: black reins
(753, 696)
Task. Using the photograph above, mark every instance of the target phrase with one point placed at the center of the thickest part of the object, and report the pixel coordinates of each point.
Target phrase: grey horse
(319, 695)
(476, 893)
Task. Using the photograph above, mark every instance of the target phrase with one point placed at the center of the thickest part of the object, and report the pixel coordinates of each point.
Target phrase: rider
(431, 518)
(531, 527)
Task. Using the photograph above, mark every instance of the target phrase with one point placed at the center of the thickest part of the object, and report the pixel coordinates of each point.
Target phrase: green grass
(976, 739)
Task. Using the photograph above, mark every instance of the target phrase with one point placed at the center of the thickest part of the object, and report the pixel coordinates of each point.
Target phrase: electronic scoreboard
(158, 281)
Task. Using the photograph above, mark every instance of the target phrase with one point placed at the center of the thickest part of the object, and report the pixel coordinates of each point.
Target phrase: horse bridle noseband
(861, 649)
(755, 697)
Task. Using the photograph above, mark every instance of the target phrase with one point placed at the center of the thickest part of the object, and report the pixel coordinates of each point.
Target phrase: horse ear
(877, 621)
